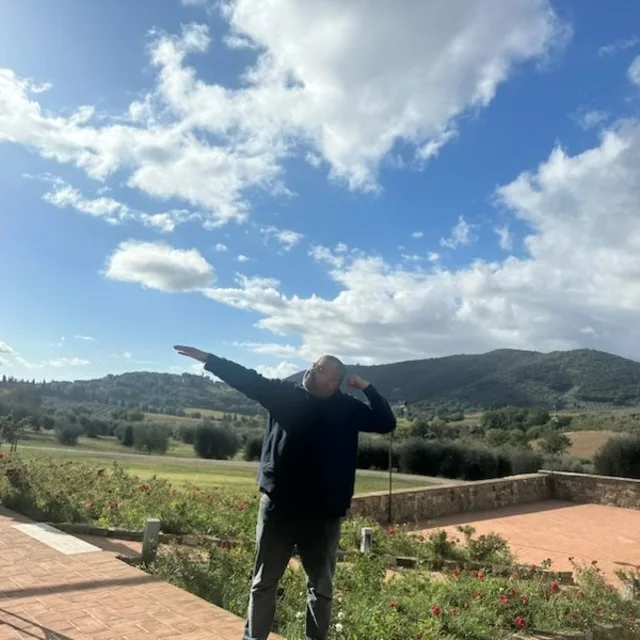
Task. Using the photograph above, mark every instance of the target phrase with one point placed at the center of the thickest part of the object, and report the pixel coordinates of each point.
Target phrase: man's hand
(356, 382)
(190, 352)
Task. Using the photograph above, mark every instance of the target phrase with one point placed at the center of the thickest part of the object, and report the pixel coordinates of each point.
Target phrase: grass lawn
(210, 473)
(103, 443)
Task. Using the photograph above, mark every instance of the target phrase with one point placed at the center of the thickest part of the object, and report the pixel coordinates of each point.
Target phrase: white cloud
(242, 258)
(634, 71)
(58, 363)
(319, 90)
(58, 344)
(5, 348)
(269, 349)
(581, 269)
(221, 248)
(505, 238)
(84, 338)
(433, 257)
(587, 119)
(417, 235)
(281, 370)
(287, 238)
(64, 196)
(412, 257)
(157, 265)
(461, 235)
(619, 45)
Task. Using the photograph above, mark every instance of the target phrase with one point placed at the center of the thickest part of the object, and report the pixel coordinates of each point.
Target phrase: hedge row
(433, 458)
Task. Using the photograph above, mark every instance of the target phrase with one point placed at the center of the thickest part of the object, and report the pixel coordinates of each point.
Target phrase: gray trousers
(316, 539)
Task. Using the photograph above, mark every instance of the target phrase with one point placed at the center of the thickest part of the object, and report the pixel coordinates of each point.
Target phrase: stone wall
(414, 506)
(584, 488)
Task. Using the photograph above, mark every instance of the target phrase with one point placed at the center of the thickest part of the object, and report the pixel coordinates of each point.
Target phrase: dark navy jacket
(308, 461)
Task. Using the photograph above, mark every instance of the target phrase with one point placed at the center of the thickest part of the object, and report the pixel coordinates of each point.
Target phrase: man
(307, 475)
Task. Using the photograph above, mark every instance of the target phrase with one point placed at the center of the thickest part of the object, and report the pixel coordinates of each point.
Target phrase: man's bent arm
(378, 417)
(271, 394)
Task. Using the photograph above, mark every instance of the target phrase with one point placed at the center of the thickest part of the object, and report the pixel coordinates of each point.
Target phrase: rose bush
(371, 602)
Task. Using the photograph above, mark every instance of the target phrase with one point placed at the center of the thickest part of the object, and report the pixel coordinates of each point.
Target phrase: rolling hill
(567, 379)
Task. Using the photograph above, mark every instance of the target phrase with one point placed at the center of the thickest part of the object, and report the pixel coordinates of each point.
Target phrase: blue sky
(275, 180)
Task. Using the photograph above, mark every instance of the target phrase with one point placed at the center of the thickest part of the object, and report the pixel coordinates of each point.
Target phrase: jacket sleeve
(378, 417)
(275, 396)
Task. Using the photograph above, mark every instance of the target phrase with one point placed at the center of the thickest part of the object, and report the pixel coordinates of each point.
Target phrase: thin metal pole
(390, 476)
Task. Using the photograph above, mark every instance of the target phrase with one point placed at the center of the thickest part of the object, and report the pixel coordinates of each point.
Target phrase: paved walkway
(560, 530)
(75, 591)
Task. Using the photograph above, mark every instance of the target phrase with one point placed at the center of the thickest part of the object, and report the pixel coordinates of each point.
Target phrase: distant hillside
(509, 377)
(505, 377)
(159, 392)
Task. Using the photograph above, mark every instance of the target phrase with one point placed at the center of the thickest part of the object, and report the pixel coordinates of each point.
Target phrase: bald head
(325, 376)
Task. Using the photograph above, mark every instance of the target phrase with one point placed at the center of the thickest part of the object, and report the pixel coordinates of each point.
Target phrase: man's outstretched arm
(378, 417)
(271, 394)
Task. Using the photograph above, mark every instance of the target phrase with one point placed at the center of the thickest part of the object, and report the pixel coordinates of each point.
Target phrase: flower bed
(371, 602)
(73, 492)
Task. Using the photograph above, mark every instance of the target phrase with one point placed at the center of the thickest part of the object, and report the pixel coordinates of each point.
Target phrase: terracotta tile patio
(47, 594)
(559, 530)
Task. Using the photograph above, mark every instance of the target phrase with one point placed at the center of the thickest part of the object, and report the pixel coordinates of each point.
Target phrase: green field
(204, 473)
(108, 444)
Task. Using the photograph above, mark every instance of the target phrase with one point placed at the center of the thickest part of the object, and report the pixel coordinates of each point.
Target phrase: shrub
(150, 437)
(215, 442)
(451, 460)
(68, 434)
(554, 442)
(523, 461)
(619, 457)
(567, 463)
(185, 433)
(373, 453)
(253, 448)
(48, 423)
(124, 433)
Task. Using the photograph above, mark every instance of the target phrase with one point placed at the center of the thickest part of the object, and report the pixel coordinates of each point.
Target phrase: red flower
(573, 617)
(504, 601)
(580, 594)
(474, 573)
(555, 587)
(435, 610)
(520, 623)
(598, 610)
(455, 573)
(1, 454)
(533, 567)
(421, 538)
(392, 531)
(393, 604)
(481, 576)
